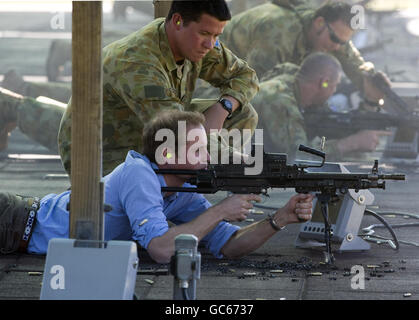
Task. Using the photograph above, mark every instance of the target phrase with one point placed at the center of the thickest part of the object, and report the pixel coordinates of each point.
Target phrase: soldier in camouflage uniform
(156, 68)
(288, 30)
(282, 100)
(143, 74)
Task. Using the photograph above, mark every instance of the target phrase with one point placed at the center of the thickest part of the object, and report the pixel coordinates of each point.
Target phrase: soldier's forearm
(248, 239)
(216, 114)
(215, 117)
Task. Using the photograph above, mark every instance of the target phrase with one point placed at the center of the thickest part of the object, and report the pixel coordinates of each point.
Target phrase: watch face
(228, 104)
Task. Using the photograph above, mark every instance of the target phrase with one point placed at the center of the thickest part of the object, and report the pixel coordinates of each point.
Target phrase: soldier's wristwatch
(227, 105)
(273, 223)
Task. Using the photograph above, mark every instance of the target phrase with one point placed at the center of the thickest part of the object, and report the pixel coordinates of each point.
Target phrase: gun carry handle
(314, 152)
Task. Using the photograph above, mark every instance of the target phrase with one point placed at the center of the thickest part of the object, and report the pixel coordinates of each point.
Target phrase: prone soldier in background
(25, 105)
(38, 118)
(284, 98)
(289, 30)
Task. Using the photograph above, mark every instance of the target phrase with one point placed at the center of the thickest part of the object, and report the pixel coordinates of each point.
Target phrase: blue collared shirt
(139, 210)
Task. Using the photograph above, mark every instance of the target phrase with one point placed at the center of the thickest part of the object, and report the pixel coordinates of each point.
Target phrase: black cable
(384, 222)
(327, 233)
(375, 214)
(398, 213)
(401, 225)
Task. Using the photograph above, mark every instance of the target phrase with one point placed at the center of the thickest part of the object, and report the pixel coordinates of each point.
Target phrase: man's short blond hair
(318, 65)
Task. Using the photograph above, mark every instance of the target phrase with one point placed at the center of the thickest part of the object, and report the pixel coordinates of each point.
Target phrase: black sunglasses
(333, 37)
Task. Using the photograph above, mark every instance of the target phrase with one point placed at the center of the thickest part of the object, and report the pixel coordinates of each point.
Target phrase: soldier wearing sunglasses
(289, 30)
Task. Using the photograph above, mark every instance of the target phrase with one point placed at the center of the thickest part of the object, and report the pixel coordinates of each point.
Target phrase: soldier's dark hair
(318, 65)
(333, 11)
(192, 10)
(167, 120)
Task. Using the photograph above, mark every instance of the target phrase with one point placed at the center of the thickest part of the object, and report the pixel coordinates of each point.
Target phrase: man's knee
(13, 216)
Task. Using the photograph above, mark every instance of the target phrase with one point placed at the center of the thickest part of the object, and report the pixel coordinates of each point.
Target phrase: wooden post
(86, 207)
(161, 8)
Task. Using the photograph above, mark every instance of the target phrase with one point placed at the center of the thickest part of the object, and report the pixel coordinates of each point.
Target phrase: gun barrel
(392, 177)
(185, 172)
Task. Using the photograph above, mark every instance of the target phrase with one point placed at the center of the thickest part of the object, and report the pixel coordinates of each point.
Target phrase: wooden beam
(161, 8)
(86, 207)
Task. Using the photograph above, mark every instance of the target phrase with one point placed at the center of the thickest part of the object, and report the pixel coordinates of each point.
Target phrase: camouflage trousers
(14, 215)
(243, 118)
(40, 122)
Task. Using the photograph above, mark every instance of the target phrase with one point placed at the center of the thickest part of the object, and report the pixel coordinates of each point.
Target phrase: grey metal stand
(345, 217)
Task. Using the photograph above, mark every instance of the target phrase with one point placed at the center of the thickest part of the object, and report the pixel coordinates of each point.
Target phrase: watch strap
(229, 110)
(273, 223)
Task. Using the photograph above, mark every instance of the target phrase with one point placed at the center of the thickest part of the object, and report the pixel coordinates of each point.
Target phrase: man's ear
(168, 154)
(177, 21)
(324, 83)
(165, 156)
(319, 23)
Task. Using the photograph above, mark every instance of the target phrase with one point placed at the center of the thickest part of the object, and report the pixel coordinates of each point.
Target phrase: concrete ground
(29, 169)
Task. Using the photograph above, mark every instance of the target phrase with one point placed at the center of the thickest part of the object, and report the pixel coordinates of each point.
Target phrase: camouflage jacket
(141, 78)
(275, 33)
(281, 118)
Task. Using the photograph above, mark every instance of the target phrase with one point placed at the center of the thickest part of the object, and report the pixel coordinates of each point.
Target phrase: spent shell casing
(276, 271)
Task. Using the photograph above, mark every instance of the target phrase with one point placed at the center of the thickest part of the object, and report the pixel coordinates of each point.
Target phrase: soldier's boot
(13, 81)
(38, 120)
(9, 102)
(5, 133)
(59, 54)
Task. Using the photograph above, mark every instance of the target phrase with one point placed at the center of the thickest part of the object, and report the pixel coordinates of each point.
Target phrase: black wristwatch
(227, 105)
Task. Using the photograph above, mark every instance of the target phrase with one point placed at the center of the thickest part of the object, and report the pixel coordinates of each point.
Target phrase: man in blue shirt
(140, 210)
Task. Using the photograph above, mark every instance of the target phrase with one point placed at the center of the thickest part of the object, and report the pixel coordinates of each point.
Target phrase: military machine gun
(395, 114)
(276, 173)
(404, 143)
